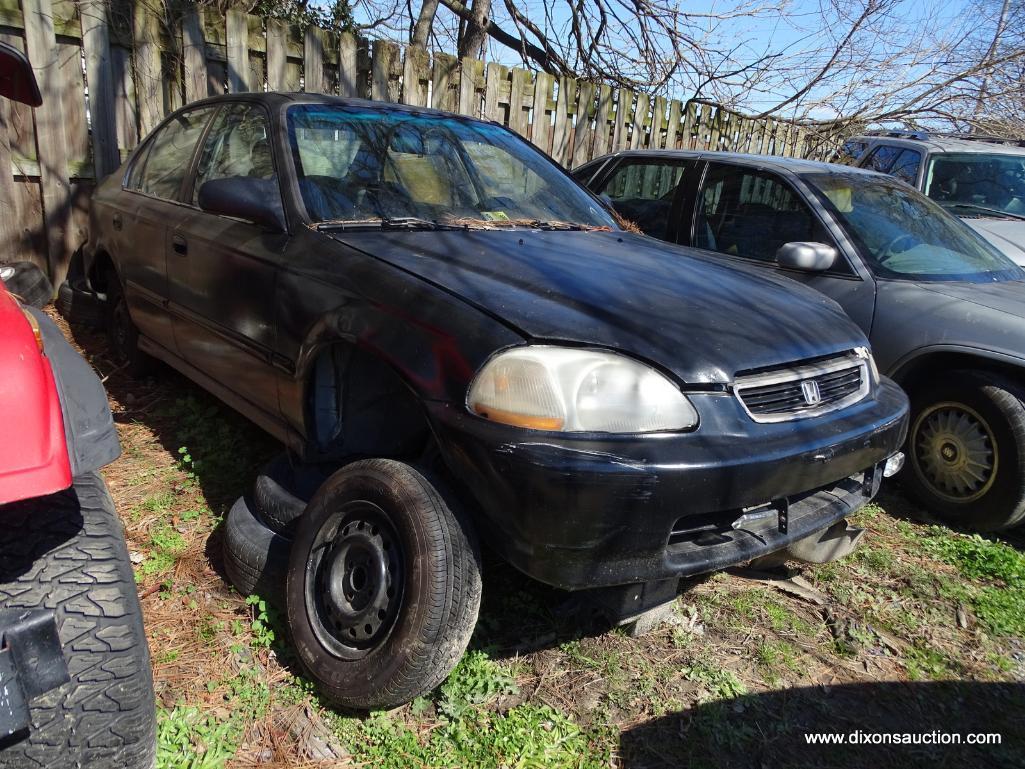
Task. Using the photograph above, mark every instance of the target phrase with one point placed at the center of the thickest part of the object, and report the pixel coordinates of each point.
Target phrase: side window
(161, 168)
(906, 166)
(751, 213)
(882, 158)
(238, 145)
(643, 192)
(851, 150)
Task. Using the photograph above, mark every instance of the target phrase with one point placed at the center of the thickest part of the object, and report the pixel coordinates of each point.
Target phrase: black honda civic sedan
(437, 311)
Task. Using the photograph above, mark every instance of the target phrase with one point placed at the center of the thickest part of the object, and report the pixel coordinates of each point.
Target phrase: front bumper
(582, 511)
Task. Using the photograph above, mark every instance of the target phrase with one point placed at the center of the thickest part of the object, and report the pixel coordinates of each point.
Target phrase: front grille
(804, 390)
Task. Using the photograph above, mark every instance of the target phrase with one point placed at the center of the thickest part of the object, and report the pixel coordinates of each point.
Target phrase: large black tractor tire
(255, 558)
(383, 585)
(966, 450)
(66, 552)
(27, 282)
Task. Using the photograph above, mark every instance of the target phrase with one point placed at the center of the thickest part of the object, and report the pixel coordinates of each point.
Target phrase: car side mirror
(17, 79)
(245, 197)
(810, 257)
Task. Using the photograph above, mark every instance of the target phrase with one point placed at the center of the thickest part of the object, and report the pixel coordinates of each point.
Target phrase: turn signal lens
(541, 387)
(36, 331)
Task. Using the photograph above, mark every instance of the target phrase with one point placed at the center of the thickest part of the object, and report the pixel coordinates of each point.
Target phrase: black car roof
(774, 162)
(278, 99)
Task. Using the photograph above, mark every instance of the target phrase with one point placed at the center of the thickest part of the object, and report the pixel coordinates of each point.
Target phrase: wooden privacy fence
(110, 71)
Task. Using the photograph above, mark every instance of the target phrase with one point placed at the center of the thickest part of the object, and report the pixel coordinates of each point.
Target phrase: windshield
(391, 167)
(978, 184)
(903, 234)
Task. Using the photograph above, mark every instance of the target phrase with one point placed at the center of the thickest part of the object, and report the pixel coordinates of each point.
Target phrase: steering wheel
(894, 246)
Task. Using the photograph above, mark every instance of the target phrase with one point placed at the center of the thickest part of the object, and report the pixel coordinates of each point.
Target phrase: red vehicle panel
(33, 448)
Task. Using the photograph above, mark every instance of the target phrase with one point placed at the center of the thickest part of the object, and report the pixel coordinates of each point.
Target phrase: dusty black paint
(366, 342)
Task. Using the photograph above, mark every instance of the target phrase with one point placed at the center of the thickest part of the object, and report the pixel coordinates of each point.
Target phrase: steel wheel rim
(955, 452)
(354, 579)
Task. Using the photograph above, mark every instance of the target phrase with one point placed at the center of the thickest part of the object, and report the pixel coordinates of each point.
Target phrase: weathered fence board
(110, 70)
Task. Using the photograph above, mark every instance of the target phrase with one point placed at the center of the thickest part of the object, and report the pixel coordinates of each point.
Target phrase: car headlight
(573, 390)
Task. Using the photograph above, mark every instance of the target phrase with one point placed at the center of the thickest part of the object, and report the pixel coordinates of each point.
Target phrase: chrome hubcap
(955, 452)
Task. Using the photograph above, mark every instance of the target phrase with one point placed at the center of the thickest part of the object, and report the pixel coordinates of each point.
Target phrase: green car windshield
(903, 234)
(363, 167)
(978, 183)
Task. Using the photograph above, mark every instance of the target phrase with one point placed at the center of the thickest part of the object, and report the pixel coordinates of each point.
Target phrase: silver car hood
(1008, 235)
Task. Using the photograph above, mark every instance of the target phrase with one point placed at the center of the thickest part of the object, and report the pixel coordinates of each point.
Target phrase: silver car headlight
(543, 387)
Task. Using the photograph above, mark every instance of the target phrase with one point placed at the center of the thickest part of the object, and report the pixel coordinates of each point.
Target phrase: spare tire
(282, 490)
(255, 558)
(78, 303)
(66, 552)
(27, 282)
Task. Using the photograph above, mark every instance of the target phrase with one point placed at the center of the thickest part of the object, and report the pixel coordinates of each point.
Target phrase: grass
(922, 627)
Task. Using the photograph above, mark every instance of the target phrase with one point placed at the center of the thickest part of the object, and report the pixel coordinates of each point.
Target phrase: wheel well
(926, 368)
(358, 404)
(102, 266)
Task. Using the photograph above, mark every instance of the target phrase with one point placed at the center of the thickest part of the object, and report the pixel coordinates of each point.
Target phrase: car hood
(696, 317)
(1008, 235)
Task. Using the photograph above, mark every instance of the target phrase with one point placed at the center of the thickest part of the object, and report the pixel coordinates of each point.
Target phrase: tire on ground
(77, 303)
(255, 558)
(281, 492)
(432, 602)
(999, 403)
(27, 282)
(67, 552)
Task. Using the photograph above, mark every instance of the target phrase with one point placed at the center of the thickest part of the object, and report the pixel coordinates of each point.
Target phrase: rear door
(745, 214)
(152, 201)
(222, 271)
(645, 191)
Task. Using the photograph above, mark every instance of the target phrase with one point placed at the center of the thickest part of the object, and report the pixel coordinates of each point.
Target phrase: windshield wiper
(997, 212)
(387, 223)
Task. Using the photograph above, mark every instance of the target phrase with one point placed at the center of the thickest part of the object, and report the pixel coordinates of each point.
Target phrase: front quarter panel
(328, 292)
(912, 321)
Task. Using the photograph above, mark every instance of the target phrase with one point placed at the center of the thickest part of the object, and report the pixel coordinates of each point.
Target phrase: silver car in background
(943, 309)
(979, 179)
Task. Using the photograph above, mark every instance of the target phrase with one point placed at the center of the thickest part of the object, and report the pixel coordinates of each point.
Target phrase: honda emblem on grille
(812, 395)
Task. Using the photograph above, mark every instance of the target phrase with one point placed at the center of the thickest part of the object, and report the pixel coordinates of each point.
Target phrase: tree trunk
(424, 23)
(472, 41)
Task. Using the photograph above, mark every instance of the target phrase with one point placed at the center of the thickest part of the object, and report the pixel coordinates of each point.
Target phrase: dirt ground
(921, 631)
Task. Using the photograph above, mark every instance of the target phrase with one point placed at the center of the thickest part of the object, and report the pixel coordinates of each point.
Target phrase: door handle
(117, 221)
(179, 245)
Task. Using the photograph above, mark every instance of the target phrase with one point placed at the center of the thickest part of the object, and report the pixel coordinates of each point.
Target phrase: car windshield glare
(903, 234)
(359, 167)
(978, 183)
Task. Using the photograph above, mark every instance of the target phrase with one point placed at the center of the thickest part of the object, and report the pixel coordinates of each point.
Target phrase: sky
(799, 29)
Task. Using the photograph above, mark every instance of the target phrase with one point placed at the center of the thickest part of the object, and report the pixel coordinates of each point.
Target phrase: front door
(221, 271)
(746, 214)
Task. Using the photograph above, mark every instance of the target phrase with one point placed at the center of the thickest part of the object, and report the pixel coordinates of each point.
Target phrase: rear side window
(643, 191)
(851, 150)
(162, 167)
(905, 167)
(751, 213)
(882, 158)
